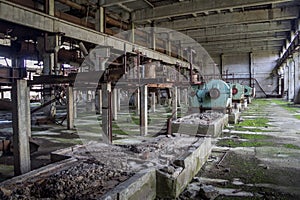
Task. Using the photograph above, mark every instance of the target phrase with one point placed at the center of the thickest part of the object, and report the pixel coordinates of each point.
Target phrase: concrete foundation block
(234, 117)
(213, 129)
(141, 186)
(170, 186)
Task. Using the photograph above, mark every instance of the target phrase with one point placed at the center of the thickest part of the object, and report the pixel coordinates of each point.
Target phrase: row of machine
(219, 96)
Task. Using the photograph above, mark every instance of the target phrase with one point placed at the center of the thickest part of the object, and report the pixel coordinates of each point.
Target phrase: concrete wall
(262, 65)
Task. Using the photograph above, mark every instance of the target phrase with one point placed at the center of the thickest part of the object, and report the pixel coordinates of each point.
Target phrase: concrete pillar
(106, 113)
(21, 131)
(153, 101)
(137, 101)
(75, 103)
(100, 20)
(168, 45)
(174, 103)
(118, 100)
(186, 101)
(144, 110)
(50, 110)
(115, 104)
(50, 7)
(132, 34)
(153, 38)
(178, 97)
(70, 108)
(98, 101)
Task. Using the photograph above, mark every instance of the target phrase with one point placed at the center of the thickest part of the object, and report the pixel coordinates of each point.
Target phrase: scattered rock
(208, 192)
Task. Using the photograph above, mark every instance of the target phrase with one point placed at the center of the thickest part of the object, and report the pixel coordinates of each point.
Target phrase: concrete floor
(254, 162)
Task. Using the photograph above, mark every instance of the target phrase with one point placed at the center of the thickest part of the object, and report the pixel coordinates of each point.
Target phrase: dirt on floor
(255, 159)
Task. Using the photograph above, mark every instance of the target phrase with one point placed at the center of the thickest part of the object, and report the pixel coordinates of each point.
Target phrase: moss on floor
(235, 143)
(291, 146)
(258, 122)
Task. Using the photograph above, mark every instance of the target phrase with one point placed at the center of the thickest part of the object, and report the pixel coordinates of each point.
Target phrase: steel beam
(253, 16)
(196, 6)
(236, 30)
(241, 41)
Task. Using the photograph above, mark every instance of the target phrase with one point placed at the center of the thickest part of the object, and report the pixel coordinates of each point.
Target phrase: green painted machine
(249, 93)
(238, 92)
(214, 95)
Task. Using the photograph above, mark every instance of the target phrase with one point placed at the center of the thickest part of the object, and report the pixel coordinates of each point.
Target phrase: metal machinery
(214, 95)
(238, 92)
(238, 96)
(249, 93)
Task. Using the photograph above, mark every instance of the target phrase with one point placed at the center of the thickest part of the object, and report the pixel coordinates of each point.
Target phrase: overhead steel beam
(274, 49)
(196, 6)
(253, 16)
(247, 42)
(235, 30)
(243, 38)
(244, 45)
(108, 3)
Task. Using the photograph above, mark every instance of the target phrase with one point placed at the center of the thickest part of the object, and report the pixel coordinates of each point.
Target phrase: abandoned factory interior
(149, 99)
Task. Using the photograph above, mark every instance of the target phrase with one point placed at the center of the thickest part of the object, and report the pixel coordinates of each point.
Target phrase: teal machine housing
(238, 92)
(249, 91)
(213, 95)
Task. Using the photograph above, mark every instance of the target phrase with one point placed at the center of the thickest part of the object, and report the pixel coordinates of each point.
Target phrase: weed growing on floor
(291, 146)
(258, 122)
(233, 143)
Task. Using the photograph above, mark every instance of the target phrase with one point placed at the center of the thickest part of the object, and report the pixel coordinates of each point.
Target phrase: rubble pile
(199, 118)
(86, 180)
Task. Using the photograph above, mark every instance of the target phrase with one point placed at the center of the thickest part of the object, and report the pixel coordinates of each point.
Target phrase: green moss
(260, 102)
(297, 116)
(291, 146)
(258, 122)
(250, 129)
(119, 132)
(233, 144)
(255, 136)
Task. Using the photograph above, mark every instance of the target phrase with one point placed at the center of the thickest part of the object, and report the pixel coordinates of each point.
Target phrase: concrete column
(169, 45)
(98, 101)
(153, 102)
(178, 97)
(132, 34)
(115, 104)
(106, 113)
(186, 101)
(50, 110)
(70, 108)
(144, 110)
(174, 103)
(51, 6)
(153, 38)
(137, 101)
(100, 20)
(118, 100)
(75, 103)
(21, 132)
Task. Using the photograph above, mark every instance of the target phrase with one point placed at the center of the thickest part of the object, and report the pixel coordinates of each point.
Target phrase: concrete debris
(199, 118)
(86, 180)
(208, 192)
